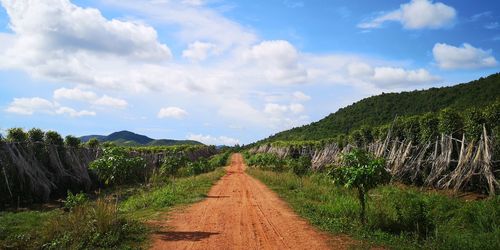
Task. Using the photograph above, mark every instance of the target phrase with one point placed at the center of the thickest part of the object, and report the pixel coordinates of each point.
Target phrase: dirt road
(241, 213)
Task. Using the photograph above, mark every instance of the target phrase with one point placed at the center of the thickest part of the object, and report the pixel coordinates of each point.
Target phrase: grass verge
(397, 218)
(113, 221)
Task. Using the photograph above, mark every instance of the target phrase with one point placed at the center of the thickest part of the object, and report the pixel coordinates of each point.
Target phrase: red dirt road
(241, 213)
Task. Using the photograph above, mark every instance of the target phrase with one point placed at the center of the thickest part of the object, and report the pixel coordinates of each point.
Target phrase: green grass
(116, 220)
(397, 218)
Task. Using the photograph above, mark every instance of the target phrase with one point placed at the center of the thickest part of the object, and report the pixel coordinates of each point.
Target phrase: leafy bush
(16, 135)
(474, 120)
(93, 143)
(72, 142)
(219, 160)
(53, 138)
(411, 128)
(361, 171)
(73, 200)
(450, 122)
(428, 127)
(300, 166)
(266, 161)
(172, 163)
(116, 166)
(35, 135)
(91, 226)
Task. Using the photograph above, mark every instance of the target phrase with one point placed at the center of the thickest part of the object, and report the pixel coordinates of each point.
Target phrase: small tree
(16, 135)
(362, 171)
(72, 141)
(53, 138)
(93, 143)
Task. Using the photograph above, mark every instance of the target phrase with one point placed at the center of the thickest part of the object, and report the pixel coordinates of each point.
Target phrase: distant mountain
(127, 138)
(381, 109)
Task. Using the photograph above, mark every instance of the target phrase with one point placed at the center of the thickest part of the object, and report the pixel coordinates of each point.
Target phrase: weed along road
(241, 213)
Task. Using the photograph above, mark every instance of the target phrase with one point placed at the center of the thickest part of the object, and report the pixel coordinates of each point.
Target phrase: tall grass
(397, 218)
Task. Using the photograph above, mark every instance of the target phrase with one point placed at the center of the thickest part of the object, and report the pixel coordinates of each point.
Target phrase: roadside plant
(362, 171)
(35, 135)
(116, 166)
(73, 200)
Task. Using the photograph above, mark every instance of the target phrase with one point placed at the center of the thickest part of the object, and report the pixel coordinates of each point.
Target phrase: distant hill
(381, 109)
(127, 138)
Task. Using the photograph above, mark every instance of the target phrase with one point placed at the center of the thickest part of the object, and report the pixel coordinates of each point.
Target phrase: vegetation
(382, 109)
(74, 200)
(361, 171)
(115, 166)
(399, 218)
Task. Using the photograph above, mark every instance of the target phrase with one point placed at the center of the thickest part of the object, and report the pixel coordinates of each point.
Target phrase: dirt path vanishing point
(241, 213)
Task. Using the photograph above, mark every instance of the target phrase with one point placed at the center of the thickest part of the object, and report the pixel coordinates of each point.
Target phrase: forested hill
(381, 109)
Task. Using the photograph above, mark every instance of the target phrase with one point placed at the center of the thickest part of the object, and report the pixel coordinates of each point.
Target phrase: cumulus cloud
(199, 51)
(90, 97)
(212, 140)
(465, 57)
(30, 106)
(279, 61)
(172, 112)
(417, 14)
(300, 96)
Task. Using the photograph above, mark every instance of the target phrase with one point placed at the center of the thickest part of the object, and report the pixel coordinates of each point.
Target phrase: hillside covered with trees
(382, 109)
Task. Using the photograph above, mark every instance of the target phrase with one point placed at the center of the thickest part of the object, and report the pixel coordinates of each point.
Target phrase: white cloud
(75, 94)
(30, 106)
(199, 51)
(172, 112)
(390, 77)
(296, 108)
(90, 97)
(110, 102)
(300, 96)
(73, 113)
(465, 57)
(275, 109)
(211, 140)
(279, 60)
(417, 14)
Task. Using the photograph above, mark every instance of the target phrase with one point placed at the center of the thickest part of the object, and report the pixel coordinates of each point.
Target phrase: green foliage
(266, 161)
(179, 191)
(474, 119)
(428, 127)
(450, 122)
(35, 135)
(93, 143)
(300, 166)
(362, 171)
(53, 138)
(398, 218)
(116, 166)
(411, 128)
(382, 109)
(72, 142)
(172, 163)
(16, 135)
(96, 225)
(73, 200)
(219, 160)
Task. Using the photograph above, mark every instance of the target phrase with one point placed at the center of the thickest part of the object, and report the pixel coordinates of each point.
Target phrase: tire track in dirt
(241, 213)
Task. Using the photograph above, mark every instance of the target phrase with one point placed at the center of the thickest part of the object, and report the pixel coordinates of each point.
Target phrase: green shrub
(35, 135)
(53, 138)
(171, 163)
(93, 143)
(16, 135)
(474, 119)
(362, 171)
(72, 142)
(428, 127)
(116, 166)
(300, 166)
(450, 122)
(411, 128)
(266, 161)
(73, 200)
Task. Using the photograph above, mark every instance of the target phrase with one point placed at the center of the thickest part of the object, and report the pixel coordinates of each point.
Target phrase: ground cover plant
(116, 217)
(399, 218)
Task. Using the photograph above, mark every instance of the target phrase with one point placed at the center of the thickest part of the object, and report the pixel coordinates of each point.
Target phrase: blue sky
(226, 72)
